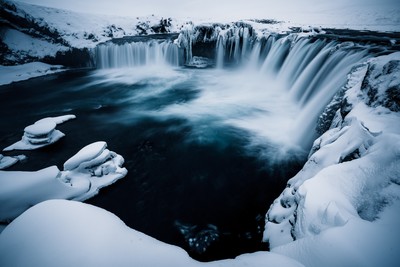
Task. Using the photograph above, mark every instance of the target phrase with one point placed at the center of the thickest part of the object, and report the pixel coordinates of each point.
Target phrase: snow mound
(350, 181)
(41, 133)
(20, 190)
(67, 233)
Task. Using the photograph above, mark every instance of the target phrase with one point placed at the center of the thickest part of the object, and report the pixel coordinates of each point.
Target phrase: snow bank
(20, 190)
(67, 233)
(25, 45)
(41, 133)
(9, 74)
(337, 206)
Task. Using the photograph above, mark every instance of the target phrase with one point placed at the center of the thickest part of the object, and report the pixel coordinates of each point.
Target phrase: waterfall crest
(153, 52)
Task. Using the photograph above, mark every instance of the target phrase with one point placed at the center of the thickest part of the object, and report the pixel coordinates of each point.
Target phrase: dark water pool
(193, 179)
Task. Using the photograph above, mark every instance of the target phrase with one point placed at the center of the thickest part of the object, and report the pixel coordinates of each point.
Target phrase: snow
(342, 207)
(9, 74)
(67, 233)
(80, 29)
(85, 154)
(25, 45)
(20, 190)
(41, 133)
(359, 14)
(7, 161)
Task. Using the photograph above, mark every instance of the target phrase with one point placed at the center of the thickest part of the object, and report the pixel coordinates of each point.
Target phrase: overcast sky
(209, 8)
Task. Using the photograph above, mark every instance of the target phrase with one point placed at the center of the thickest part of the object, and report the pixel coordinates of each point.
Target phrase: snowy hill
(30, 33)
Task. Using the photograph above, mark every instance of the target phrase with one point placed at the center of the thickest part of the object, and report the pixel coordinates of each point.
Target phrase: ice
(87, 153)
(41, 133)
(91, 169)
(68, 233)
(8, 161)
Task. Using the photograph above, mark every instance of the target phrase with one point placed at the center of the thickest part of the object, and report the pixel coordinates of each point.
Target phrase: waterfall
(311, 69)
(153, 52)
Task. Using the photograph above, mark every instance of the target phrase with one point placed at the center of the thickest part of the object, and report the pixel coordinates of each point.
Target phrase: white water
(277, 93)
(137, 54)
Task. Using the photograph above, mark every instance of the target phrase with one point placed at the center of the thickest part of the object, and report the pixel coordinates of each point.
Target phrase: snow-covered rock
(350, 181)
(91, 169)
(41, 133)
(67, 233)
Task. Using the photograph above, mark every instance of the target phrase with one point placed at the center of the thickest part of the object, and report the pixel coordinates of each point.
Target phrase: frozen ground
(9, 74)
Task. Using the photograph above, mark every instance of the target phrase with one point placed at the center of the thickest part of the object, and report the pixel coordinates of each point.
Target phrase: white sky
(232, 9)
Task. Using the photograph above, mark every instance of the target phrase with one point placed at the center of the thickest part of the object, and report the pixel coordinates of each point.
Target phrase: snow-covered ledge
(68, 233)
(341, 209)
(92, 168)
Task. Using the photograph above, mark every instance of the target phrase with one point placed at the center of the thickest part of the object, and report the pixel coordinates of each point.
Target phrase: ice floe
(41, 133)
(90, 169)
(7, 161)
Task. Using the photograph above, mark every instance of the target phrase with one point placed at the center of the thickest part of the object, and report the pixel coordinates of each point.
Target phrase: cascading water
(310, 69)
(110, 55)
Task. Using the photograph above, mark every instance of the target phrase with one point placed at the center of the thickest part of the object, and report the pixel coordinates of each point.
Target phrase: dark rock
(74, 58)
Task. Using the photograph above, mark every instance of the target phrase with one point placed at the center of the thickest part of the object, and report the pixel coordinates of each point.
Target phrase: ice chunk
(87, 153)
(40, 129)
(57, 120)
(40, 134)
(6, 161)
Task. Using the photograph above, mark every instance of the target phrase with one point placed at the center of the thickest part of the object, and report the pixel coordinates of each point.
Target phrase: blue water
(202, 148)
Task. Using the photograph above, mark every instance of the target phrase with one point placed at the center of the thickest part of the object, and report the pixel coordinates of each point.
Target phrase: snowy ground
(9, 74)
